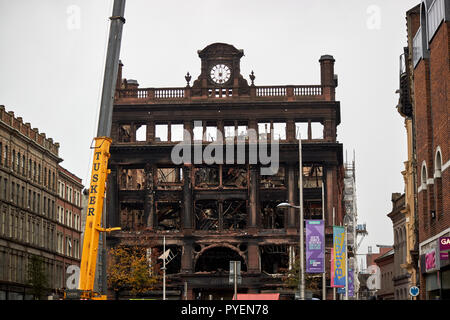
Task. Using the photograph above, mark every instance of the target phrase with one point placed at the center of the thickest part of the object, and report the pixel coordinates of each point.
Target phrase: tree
(312, 282)
(129, 269)
(37, 277)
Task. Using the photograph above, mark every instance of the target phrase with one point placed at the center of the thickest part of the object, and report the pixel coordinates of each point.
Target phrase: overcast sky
(52, 55)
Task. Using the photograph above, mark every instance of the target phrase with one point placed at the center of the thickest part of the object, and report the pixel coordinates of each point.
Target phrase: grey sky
(52, 58)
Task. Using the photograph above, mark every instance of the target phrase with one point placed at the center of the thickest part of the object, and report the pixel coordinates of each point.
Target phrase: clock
(220, 73)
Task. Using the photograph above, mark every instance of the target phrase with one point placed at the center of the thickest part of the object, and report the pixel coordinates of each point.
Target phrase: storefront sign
(315, 244)
(444, 247)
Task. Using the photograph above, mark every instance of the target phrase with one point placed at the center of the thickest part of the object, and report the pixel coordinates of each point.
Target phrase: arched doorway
(217, 259)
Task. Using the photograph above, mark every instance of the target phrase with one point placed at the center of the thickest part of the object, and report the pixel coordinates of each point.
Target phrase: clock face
(220, 73)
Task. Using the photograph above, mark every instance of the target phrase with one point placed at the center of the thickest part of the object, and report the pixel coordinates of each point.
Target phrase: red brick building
(428, 63)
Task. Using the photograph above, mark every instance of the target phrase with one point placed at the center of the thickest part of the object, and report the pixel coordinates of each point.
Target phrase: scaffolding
(353, 228)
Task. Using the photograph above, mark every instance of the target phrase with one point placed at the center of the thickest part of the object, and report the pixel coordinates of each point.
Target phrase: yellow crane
(100, 170)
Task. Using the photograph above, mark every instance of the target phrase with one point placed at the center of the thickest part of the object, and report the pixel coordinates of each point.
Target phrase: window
(1, 153)
(317, 130)
(141, 132)
(176, 132)
(161, 132)
(229, 132)
(211, 133)
(264, 130)
(6, 156)
(198, 131)
(279, 131)
(13, 160)
(242, 131)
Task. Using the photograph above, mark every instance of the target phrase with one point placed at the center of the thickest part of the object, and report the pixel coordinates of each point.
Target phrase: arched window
(424, 176)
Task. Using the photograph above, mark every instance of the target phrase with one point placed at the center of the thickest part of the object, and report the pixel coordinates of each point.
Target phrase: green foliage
(37, 278)
(129, 269)
(312, 282)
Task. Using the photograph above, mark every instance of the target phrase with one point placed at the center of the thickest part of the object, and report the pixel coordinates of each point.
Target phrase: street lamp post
(302, 245)
(301, 283)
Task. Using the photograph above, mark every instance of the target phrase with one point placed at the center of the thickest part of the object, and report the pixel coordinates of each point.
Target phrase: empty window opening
(279, 131)
(206, 215)
(229, 132)
(173, 260)
(234, 177)
(274, 181)
(125, 133)
(207, 177)
(242, 131)
(169, 178)
(176, 132)
(316, 130)
(313, 209)
(234, 214)
(211, 133)
(217, 259)
(198, 131)
(274, 258)
(272, 217)
(132, 216)
(132, 179)
(312, 176)
(161, 132)
(141, 132)
(264, 130)
(168, 214)
(301, 129)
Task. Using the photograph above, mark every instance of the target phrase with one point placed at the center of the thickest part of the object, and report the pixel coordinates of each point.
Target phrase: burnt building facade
(207, 164)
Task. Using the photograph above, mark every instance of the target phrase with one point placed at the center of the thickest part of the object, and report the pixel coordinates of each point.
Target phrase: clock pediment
(220, 67)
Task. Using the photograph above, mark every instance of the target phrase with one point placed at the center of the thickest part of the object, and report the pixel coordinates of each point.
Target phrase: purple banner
(351, 285)
(315, 245)
(444, 247)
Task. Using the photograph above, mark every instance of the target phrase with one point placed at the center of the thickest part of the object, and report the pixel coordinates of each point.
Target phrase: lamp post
(301, 283)
(301, 273)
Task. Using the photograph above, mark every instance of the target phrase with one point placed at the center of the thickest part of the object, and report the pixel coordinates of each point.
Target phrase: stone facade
(29, 226)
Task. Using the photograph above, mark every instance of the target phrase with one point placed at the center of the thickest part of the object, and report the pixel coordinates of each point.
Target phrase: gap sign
(444, 247)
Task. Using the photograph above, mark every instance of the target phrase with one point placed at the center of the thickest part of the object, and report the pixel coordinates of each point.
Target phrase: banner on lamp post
(351, 286)
(315, 245)
(339, 258)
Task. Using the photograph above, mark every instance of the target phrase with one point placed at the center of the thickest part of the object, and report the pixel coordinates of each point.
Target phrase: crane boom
(100, 170)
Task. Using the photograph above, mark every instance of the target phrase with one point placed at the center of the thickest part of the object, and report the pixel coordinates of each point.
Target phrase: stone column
(149, 198)
(113, 210)
(329, 195)
(252, 223)
(290, 222)
(187, 257)
(187, 217)
(253, 257)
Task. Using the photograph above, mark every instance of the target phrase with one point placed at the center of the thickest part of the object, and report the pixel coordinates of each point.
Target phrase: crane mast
(100, 171)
